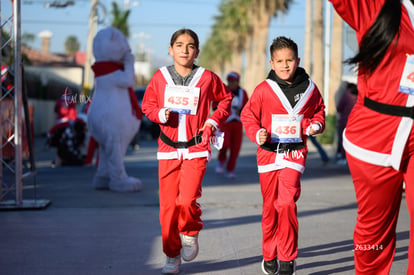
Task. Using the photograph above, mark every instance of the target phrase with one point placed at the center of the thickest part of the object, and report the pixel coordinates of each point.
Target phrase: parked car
(147, 126)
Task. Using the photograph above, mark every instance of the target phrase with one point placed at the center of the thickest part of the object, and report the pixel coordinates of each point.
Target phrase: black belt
(282, 147)
(389, 109)
(181, 144)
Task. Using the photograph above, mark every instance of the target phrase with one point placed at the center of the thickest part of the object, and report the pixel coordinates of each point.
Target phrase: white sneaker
(230, 175)
(190, 247)
(219, 168)
(172, 266)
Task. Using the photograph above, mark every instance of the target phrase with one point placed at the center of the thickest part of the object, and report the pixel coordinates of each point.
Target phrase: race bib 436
(286, 128)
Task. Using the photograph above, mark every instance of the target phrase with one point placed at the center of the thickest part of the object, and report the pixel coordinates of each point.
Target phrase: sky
(151, 22)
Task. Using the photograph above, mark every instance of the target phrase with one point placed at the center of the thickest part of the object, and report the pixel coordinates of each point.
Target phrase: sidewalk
(88, 232)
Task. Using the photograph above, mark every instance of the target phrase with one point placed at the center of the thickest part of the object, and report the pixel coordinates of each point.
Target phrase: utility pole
(93, 22)
(327, 56)
(336, 60)
(307, 64)
(318, 56)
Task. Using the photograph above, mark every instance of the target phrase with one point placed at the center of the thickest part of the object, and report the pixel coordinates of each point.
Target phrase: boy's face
(284, 63)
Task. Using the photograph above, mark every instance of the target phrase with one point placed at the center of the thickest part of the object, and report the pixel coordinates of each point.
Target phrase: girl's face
(284, 63)
(184, 51)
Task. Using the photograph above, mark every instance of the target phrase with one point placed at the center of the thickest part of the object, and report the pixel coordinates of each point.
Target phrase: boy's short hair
(283, 42)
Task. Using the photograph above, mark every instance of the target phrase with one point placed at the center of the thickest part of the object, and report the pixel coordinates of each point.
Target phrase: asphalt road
(88, 232)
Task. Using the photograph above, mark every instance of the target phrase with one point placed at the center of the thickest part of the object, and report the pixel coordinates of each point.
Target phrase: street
(84, 231)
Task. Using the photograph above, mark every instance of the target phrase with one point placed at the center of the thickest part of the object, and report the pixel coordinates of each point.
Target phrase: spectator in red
(65, 107)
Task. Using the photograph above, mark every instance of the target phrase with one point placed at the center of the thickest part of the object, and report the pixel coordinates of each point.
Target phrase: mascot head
(110, 44)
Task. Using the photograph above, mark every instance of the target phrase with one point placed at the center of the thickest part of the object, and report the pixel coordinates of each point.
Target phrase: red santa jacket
(183, 127)
(268, 99)
(237, 104)
(371, 136)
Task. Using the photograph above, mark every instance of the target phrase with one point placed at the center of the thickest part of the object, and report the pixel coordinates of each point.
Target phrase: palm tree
(215, 52)
(224, 49)
(242, 29)
(72, 45)
(236, 30)
(260, 13)
(28, 38)
(120, 19)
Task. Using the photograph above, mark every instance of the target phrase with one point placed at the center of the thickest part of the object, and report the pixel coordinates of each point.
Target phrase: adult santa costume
(379, 137)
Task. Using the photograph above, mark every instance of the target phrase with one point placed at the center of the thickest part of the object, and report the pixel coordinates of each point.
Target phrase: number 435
(181, 100)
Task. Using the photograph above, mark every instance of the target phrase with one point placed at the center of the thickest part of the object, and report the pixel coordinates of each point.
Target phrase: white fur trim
(161, 115)
(184, 154)
(401, 137)
(308, 131)
(285, 102)
(316, 126)
(167, 75)
(280, 165)
(182, 127)
(381, 159)
(212, 122)
(369, 156)
(258, 136)
(410, 9)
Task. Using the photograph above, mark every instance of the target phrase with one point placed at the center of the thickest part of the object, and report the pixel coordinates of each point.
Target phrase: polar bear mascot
(114, 116)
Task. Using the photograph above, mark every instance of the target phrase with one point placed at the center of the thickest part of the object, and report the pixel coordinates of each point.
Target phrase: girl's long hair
(190, 32)
(378, 38)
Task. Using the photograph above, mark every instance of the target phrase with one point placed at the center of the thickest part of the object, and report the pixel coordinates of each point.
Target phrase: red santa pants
(280, 191)
(379, 192)
(179, 188)
(233, 135)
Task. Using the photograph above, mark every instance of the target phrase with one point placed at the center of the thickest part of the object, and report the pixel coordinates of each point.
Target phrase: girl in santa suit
(179, 98)
(282, 111)
(379, 136)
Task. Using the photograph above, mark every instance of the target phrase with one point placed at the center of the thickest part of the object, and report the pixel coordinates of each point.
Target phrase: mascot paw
(100, 183)
(129, 184)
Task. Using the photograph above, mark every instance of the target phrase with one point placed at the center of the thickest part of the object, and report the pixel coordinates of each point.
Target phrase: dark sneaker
(287, 268)
(270, 267)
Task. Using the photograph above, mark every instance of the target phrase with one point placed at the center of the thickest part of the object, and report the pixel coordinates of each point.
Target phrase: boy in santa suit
(282, 111)
(179, 97)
